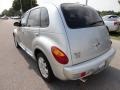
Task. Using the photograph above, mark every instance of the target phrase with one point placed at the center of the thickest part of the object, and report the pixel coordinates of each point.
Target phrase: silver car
(68, 40)
(112, 22)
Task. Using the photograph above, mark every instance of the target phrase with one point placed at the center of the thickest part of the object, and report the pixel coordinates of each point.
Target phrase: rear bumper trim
(73, 72)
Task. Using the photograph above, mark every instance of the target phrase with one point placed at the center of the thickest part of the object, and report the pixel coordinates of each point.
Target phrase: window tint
(77, 16)
(44, 17)
(24, 19)
(34, 18)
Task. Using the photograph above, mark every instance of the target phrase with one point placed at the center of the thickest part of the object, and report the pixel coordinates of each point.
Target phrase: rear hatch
(87, 35)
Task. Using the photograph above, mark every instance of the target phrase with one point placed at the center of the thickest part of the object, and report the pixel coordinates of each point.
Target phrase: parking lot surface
(19, 72)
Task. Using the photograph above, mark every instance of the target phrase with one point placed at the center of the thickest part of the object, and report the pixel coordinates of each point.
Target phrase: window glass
(34, 18)
(24, 19)
(44, 18)
(77, 16)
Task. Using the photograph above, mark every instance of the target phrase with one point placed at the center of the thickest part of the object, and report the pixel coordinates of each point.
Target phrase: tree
(23, 4)
(119, 1)
(103, 13)
(5, 12)
(11, 12)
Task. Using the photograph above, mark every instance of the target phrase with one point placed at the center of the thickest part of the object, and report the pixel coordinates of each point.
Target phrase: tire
(15, 41)
(45, 68)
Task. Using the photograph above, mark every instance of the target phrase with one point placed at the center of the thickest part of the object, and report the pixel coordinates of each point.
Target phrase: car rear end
(112, 22)
(113, 25)
(88, 37)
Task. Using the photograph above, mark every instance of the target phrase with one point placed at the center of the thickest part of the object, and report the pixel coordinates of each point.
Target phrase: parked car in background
(15, 17)
(112, 22)
(68, 40)
(4, 17)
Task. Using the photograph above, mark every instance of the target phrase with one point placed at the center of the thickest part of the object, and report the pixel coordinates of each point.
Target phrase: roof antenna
(86, 2)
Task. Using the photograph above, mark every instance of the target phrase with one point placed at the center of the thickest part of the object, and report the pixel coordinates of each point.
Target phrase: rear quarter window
(44, 17)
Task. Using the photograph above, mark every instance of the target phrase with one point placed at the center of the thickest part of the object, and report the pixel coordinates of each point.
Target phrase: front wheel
(15, 41)
(44, 68)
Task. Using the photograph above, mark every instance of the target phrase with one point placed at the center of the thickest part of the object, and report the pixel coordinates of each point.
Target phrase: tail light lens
(116, 23)
(83, 74)
(59, 55)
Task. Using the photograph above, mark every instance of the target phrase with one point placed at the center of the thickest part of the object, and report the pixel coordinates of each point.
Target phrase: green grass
(115, 35)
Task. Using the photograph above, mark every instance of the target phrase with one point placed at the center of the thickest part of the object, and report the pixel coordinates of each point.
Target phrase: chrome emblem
(97, 44)
(77, 55)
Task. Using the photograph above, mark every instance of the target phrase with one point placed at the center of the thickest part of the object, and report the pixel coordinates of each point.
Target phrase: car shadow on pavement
(109, 79)
(106, 80)
(32, 63)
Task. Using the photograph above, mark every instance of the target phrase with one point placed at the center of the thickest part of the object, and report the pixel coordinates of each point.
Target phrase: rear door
(86, 32)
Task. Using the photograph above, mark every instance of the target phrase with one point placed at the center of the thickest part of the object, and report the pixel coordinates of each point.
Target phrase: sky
(97, 4)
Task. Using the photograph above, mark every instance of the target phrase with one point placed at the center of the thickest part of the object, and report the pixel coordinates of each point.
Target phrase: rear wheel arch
(36, 52)
(39, 53)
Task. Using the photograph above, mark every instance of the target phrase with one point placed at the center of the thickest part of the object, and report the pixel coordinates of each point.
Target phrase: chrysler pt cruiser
(69, 41)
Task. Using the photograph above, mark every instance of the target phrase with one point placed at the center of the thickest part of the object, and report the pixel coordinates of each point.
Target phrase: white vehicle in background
(112, 22)
(4, 17)
(15, 17)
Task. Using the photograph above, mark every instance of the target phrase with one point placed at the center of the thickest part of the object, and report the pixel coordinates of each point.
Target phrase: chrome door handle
(36, 34)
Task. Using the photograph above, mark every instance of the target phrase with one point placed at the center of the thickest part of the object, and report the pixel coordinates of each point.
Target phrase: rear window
(113, 17)
(78, 16)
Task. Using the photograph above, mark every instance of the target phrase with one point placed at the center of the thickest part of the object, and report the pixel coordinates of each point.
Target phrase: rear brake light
(83, 74)
(59, 55)
(116, 23)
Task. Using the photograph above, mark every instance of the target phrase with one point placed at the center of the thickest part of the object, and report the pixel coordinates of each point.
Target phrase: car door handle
(36, 34)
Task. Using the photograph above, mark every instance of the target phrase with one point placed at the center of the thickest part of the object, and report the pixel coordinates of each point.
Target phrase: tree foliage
(5, 12)
(102, 13)
(23, 4)
(17, 5)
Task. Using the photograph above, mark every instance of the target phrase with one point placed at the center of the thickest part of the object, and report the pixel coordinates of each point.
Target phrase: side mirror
(17, 24)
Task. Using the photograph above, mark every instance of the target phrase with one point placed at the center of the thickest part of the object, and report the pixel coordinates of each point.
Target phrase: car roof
(56, 3)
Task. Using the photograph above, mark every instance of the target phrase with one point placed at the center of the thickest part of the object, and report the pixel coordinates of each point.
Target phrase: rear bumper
(91, 66)
(114, 28)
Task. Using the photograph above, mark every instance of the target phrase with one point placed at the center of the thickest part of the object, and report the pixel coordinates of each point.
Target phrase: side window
(24, 19)
(44, 17)
(34, 18)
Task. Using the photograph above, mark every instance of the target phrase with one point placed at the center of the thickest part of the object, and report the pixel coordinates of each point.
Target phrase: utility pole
(86, 2)
(21, 10)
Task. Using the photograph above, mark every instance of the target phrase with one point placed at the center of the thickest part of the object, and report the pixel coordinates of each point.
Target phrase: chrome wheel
(43, 67)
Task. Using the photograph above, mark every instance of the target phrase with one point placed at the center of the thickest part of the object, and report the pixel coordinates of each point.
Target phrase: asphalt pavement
(18, 71)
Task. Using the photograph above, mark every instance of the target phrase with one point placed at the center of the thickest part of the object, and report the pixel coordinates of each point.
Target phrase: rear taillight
(59, 55)
(116, 23)
(83, 74)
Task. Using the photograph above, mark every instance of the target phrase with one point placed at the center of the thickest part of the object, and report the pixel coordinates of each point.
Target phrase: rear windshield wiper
(95, 23)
